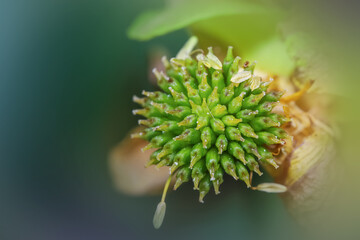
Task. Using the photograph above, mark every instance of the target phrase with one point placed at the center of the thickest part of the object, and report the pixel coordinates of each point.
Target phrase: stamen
(161, 207)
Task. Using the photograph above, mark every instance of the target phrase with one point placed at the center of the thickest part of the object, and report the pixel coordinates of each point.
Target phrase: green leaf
(180, 14)
(255, 37)
(250, 27)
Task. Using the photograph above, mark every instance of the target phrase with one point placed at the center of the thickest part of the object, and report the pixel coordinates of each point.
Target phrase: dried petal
(128, 171)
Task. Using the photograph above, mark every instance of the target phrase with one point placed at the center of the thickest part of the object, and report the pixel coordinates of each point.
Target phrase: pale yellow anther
(270, 188)
(186, 50)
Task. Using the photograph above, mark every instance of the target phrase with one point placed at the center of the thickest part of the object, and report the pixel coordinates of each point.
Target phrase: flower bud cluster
(210, 118)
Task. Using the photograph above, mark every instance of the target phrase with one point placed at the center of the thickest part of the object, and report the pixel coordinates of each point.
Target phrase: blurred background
(68, 74)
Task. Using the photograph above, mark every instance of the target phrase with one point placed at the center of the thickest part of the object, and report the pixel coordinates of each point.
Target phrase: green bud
(267, 157)
(169, 126)
(221, 143)
(193, 94)
(204, 187)
(228, 164)
(234, 68)
(179, 112)
(144, 102)
(166, 161)
(265, 107)
(199, 171)
(153, 158)
(217, 125)
(158, 141)
(161, 107)
(230, 120)
(236, 150)
(201, 70)
(247, 130)
(244, 88)
(262, 88)
(246, 115)
(235, 104)
(268, 138)
(213, 98)
(179, 98)
(252, 164)
(189, 121)
(183, 75)
(217, 80)
(159, 97)
(173, 72)
(176, 85)
(147, 112)
(278, 132)
(147, 134)
(204, 87)
(261, 123)
(250, 147)
(162, 80)
(151, 122)
(189, 136)
(243, 173)
(197, 152)
(182, 176)
(196, 108)
(170, 147)
(228, 60)
(192, 82)
(227, 94)
(234, 134)
(181, 158)
(252, 100)
(202, 121)
(218, 180)
(166, 63)
(212, 162)
(278, 118)
(207, 137)
(191, 65)
(272, 96)
(219, 111)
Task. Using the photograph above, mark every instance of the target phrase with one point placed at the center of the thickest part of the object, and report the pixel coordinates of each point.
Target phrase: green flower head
(210, 118)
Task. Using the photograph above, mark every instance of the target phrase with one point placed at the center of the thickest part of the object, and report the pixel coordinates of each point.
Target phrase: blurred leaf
(179, 14)
(254, 36)
(249, 26)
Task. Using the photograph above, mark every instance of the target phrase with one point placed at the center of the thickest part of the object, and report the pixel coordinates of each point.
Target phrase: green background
(68, 73)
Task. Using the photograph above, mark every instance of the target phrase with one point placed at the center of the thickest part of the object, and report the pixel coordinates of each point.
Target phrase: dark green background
(68, 73)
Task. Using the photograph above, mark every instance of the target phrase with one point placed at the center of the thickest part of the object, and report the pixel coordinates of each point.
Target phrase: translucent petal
(255, 82)
(213, 60)
(241, 76)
